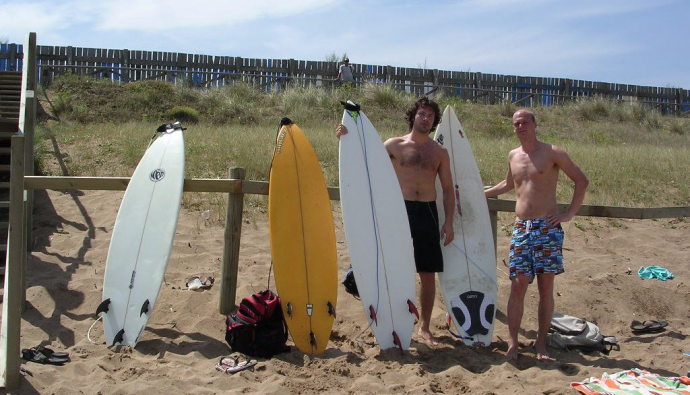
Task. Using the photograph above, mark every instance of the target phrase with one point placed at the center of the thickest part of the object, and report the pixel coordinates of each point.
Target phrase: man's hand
(341, 130)
(447, 233)
(556, 219)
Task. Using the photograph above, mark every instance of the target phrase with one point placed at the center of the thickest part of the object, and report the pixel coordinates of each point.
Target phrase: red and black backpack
(258, 328)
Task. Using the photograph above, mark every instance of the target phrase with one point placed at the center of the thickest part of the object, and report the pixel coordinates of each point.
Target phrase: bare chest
(533, 168)
(421, 158)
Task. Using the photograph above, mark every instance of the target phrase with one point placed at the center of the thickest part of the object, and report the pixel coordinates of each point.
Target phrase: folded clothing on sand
(658, 272)
(633, 381)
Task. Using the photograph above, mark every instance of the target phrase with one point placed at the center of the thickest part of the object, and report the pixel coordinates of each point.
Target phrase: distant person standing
(536, 245)
(345, 72)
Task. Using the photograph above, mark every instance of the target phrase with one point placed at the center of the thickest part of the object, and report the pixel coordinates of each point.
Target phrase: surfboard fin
(397, 342)
(119, 337)
(413, 308)
(289, 309)
(372, 314)
(104, 307)
(350, 106)
(312, 339)
(331, 309)
(144, 308)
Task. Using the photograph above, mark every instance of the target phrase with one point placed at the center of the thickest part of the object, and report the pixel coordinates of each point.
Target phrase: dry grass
(632, 155)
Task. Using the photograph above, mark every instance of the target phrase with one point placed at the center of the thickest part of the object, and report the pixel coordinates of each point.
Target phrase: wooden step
(5, 150)
(4, 203)
(5, 168)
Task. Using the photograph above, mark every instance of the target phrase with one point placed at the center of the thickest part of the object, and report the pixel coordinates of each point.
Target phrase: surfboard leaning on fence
(468, 281)
(377, 232)
(142, 238)
(303, 246)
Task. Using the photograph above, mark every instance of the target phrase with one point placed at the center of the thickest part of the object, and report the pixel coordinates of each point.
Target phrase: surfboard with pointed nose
(468, 281)
(377, 232)
(142, 239)
(303, 246)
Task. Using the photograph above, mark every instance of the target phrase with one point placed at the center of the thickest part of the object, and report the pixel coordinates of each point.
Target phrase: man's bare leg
(516, 304)
(426, 297)
(545, 283)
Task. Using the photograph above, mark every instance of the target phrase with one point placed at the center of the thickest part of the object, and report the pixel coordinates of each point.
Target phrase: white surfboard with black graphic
(142, 239)
(468, 281)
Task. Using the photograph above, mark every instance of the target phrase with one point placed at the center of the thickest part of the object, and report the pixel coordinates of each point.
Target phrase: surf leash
(285, 121)
(88, 334)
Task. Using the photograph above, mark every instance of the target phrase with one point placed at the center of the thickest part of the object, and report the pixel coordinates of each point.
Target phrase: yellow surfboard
(303, 244)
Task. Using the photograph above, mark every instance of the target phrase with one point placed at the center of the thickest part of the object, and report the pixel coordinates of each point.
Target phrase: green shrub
(182, 114)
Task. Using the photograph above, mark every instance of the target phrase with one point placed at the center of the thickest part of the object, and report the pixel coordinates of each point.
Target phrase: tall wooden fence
(212, 71)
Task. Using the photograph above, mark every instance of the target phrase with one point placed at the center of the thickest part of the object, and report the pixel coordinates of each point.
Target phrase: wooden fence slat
(207, 70)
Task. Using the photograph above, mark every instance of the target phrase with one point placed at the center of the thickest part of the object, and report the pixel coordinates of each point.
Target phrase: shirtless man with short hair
(536, 246)
(417, 160)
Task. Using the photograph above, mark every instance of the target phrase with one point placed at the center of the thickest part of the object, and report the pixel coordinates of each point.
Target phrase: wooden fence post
(10, 329)
(231, 248)
(27, 126)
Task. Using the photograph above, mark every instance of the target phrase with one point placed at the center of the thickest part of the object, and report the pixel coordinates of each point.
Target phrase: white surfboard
(377, 232)
(468, 281)
(142, 239)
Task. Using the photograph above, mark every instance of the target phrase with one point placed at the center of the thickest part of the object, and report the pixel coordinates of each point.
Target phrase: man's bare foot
(543, 354)
(512, 354)
(428, 337)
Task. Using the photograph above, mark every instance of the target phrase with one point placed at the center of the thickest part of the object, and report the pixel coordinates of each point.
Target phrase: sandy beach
(185, 335)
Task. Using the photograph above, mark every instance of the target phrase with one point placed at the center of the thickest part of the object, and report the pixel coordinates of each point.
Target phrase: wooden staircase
(10, 99)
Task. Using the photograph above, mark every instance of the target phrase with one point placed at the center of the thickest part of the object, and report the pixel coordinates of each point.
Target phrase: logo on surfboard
(157, 175)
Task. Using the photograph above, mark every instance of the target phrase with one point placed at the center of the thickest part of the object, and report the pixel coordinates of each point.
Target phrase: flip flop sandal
(233, 365)
(196, 283)
(50, 353)
(34, 355)
(650, 326)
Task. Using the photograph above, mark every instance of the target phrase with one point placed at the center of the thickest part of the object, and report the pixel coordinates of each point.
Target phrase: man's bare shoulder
(394, 141)
(514, 152)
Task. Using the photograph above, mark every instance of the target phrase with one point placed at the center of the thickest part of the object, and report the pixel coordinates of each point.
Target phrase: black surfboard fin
(312, 339)
(144, 308)
(104, 307)
(119, 337)
(351, 106)
(289, 309)
(331, 309)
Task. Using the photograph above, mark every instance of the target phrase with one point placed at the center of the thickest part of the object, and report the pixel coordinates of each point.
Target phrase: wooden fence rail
(212, 71)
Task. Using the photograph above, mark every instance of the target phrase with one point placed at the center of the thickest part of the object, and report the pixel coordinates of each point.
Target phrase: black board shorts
(426, 238)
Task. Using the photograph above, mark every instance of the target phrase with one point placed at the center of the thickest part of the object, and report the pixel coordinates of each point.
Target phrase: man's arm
(502, 187)
(446, 178)
(573, 172)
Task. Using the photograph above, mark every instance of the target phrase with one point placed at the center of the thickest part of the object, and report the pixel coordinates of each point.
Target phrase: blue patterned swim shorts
(536, 248)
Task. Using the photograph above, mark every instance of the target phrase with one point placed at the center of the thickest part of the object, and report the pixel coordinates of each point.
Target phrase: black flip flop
(50, 353)
(44, 356)
(650, 326)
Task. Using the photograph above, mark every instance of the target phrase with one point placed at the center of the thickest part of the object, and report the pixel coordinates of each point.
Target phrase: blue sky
(641, 42)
